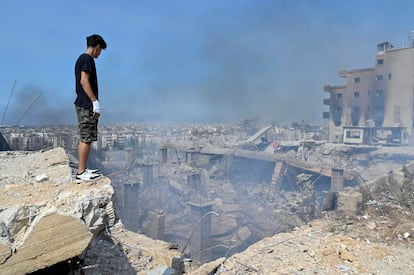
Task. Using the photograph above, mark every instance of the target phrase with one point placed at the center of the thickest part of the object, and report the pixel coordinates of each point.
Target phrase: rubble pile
(252, 208)
(317, 248)
(268, 211)
(50, 224)
(246, 212)
(376, 238)
(363, 162)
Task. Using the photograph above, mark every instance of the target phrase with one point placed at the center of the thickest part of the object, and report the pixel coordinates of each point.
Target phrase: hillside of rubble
(369, 232)
(51, 225)
(367, 229)
(375, 239)
(377, 218)
(250, 209)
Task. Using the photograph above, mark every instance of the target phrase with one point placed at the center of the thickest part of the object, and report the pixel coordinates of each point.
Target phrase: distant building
(4, 146)
(376, 106)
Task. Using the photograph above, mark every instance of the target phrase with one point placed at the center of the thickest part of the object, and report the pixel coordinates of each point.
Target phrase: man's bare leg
(83, 151)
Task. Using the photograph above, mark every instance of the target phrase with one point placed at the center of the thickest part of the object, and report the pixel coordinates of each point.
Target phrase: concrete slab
(55, 238)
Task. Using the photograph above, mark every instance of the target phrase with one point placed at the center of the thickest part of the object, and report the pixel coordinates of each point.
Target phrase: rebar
(195, 227)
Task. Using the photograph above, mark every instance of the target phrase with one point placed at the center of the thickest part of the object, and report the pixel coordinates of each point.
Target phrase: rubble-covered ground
(40, 183)
(299, 237)
(329, 246)
(375, 239)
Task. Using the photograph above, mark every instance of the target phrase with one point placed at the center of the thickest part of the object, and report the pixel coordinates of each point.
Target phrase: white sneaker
(93, 171)
(85, 176)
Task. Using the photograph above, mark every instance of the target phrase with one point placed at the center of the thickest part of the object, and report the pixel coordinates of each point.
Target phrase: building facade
(376, 105)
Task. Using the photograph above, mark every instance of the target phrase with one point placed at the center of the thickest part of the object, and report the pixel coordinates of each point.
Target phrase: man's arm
(84, 81)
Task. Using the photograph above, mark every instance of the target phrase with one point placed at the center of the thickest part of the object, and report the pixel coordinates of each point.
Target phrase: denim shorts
(88, 125)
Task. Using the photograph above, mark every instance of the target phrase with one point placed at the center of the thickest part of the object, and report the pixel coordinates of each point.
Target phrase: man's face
(97, 51)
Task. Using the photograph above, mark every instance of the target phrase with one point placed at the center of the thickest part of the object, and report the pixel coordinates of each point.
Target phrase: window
(356, 94)
(353, 134)
(397, 114)
(389, 76)
(380, 61)
(378, 92)
(379, 77)
(338, 96)
(357, 80)
(355, 116)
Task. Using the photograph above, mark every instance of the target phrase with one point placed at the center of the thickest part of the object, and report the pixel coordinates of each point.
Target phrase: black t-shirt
(85, 63)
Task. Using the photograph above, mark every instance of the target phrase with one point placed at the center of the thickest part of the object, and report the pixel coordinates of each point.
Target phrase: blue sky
(190, 61)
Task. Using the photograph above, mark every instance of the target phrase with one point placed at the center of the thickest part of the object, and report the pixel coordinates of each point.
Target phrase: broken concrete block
(154, 225)
(330, 201)
(42, 177)
(162, 270)
(5, 253)
(349, 202)
(397, 177)
(223, 225)
(93, 212)
(54, 238)
(243, 234)
(16, 217)
(210, 267)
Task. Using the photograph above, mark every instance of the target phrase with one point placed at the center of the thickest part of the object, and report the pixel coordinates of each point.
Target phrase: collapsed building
(216, 201)
(376, 105)
(235, 210)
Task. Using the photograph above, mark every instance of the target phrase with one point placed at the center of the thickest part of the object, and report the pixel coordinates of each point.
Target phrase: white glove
(96, 107)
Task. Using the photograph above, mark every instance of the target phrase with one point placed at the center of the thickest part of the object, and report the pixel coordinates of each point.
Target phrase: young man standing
(88, 109)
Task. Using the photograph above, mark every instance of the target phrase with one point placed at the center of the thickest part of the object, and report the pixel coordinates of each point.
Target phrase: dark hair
(95, 40)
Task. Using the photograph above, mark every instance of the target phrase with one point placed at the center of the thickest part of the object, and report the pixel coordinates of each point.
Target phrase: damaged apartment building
(376, 106)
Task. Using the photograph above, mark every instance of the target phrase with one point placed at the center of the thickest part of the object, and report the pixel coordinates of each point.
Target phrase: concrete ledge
(53, 239)
(49, 219)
